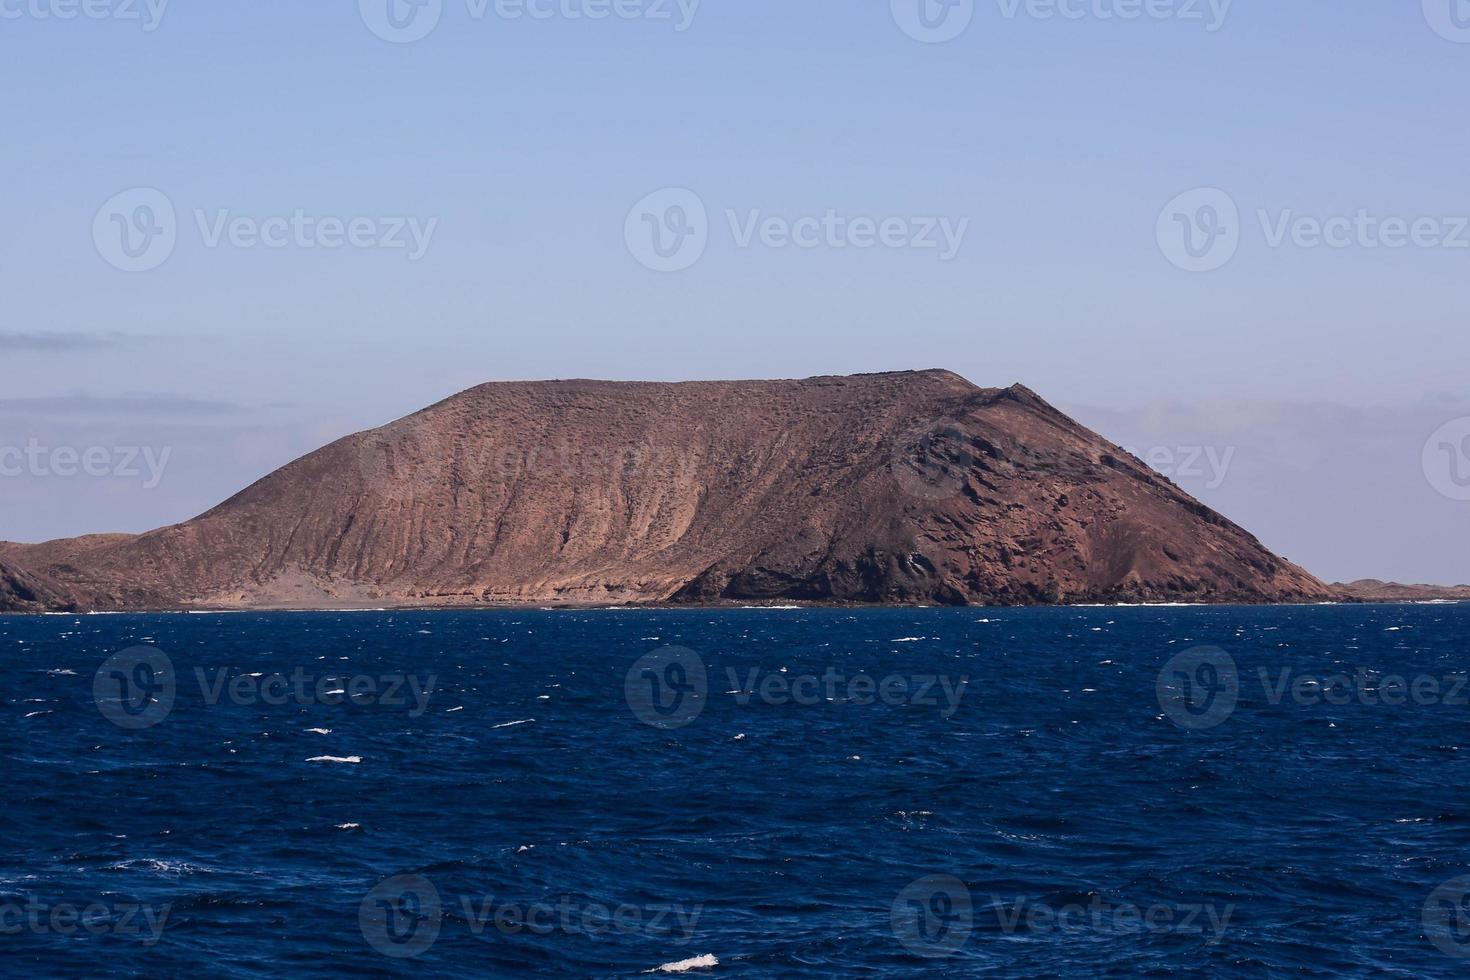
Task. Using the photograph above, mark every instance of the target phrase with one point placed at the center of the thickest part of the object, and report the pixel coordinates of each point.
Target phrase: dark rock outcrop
(22, 591)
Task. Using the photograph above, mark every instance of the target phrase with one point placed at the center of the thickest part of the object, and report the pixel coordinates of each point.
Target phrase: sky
(1228, 235)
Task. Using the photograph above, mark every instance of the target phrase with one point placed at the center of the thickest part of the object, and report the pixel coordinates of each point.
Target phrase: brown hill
(914, 487)
(1373, 590)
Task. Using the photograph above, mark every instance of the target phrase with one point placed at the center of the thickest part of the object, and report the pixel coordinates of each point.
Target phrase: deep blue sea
(1280, 791)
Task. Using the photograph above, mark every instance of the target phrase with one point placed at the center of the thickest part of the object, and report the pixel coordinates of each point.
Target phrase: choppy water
(886, 793)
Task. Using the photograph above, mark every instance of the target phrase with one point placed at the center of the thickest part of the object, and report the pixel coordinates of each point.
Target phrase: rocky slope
(23, 591)
(913, 487)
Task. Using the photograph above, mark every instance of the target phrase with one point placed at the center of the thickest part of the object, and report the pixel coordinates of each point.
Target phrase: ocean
(1144, 791)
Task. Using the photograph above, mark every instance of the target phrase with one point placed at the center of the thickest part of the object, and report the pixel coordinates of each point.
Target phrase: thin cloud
(64, 342)
(82, 404)
(1243, 418)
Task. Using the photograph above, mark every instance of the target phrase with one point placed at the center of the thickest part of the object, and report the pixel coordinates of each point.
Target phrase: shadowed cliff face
(23, 591)
(915, 487)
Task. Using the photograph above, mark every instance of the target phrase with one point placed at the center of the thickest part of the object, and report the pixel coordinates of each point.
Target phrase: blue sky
(518, 146)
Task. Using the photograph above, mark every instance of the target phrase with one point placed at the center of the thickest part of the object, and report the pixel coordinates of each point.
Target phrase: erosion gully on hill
(913, 487)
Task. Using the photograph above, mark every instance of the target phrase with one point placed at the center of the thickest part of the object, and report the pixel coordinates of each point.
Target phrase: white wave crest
(697, 963)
